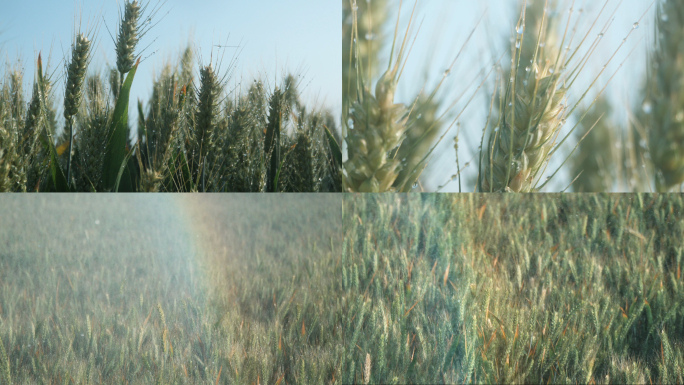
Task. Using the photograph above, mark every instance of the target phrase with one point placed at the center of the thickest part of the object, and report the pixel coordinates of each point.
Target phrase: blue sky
(445, 27)
(301, 36)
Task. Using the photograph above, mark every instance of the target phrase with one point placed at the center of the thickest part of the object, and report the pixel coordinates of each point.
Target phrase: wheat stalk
(666, 110)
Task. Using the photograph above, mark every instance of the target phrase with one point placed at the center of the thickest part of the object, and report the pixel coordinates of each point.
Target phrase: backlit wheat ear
(666, 111)
(76, 71)
(595, 162)
(367, 369)
(531, 112)
(272, 141)
(161, 315)
(379, 125)
(128, 37)
(207, 111)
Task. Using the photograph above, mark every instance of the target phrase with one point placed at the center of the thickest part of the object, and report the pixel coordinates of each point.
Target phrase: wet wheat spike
(531, 113)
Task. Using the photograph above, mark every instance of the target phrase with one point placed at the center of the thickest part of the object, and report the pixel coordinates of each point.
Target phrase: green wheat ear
(595, 159)
(272, 140)
(161, 314)
(4, 364)
(206, 119)
(128, 38)
(666, 111)
(76, 72)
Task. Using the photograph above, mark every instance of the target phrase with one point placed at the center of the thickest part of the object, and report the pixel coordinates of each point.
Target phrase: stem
(70, 123)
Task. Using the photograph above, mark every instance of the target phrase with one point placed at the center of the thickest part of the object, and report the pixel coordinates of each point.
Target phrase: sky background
(299, 36)
(445, 27)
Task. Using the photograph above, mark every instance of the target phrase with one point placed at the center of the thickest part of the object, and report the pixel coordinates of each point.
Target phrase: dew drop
(520, 29)
(517, 44)
(370, 36)
(635, 25)
(647, 107)
(664, 17)
(527, 69)
(600, 35)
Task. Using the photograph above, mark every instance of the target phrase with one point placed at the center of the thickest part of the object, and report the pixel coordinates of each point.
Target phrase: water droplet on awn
(647, 107)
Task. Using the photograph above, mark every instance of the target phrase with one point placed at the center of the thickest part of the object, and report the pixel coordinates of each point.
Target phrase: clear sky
(301, 36)
(445, 27)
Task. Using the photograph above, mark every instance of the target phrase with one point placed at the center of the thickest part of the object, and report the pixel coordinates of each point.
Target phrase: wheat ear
(4, 364)
(76, 72)
(207, 111)
(666, 135)
(128, 38)
(530, 117)
(379, 126)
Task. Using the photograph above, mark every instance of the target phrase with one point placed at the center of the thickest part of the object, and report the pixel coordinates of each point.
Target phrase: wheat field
(202, 127)
(225, 289)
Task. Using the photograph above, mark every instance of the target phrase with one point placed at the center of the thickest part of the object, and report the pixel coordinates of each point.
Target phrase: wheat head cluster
(536, 108)
(195, 133)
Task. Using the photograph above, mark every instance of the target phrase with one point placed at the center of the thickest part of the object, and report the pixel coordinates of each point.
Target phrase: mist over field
(165, 289)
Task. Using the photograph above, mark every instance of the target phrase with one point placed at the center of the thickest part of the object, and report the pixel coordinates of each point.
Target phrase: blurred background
(440, 29)
(269, 37)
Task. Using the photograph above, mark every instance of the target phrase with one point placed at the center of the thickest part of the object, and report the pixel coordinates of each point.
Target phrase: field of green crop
(167, 289)
(194, 134)
(309, 289)
(513, 289)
